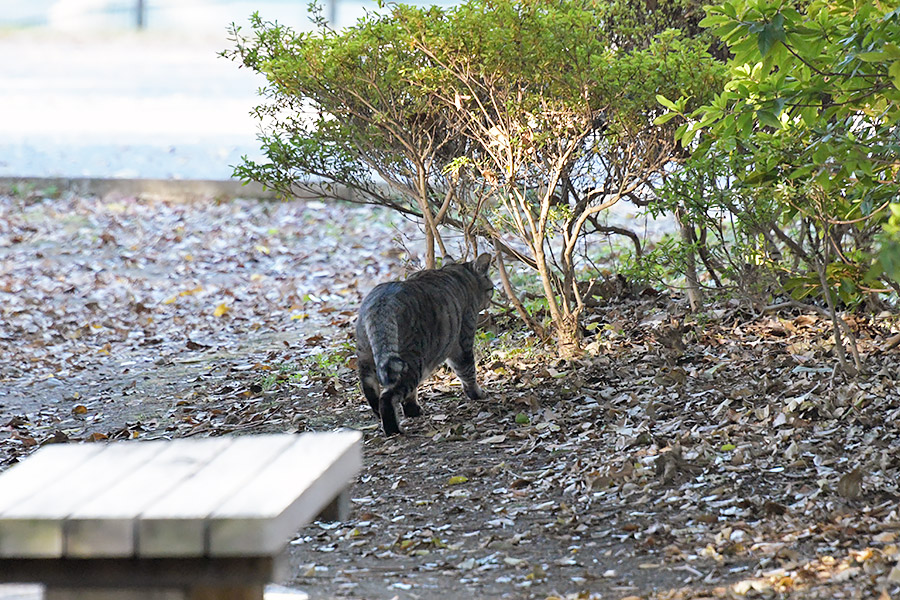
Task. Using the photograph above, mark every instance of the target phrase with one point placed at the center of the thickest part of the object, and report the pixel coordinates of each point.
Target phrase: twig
(598, 228)
(891, 343)
(779, 305)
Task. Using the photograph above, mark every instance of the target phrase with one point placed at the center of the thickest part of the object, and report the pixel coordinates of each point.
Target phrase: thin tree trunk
(564, 323)
(430, 261)
(511, 294)
(568, 337)
(694, 293)
(837, 322)
(431, 232)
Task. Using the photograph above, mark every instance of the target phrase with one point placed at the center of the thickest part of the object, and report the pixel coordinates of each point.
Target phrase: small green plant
(317, 366)
(29, 191)
(22, 191)
(516, 342)
(330, 362)
(284, 373)
(656, 266)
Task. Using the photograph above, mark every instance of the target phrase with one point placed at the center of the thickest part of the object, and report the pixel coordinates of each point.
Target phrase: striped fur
(406, 329)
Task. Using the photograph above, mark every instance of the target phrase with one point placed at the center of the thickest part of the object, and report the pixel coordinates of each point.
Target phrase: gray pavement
(124, 105)
(84, 95)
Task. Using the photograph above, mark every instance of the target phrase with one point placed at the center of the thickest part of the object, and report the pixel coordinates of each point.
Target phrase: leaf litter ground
(707, 456)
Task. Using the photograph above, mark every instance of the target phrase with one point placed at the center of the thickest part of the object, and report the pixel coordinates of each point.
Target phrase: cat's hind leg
(388, 412)
(462, 361)
(398, 393)
(411, 407)
(368, 381)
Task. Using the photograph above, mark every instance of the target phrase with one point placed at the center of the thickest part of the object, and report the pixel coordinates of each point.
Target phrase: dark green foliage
(806, 131)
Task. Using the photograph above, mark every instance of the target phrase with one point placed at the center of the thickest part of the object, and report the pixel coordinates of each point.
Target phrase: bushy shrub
(515, 122)
(806, 134)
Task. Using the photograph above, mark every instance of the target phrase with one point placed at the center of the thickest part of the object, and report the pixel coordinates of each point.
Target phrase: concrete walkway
(123, 105)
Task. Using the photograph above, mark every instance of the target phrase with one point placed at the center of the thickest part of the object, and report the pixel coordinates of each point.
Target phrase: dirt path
(116, 312)
(722, 458)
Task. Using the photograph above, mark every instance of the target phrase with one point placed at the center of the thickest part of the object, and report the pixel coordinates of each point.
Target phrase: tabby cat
(406, 329)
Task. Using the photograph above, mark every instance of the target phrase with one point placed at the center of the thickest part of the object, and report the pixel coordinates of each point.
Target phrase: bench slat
(175, 524)
(285, 494)
(34, 528)
(221, 497)
(104, 526)
(42, 468)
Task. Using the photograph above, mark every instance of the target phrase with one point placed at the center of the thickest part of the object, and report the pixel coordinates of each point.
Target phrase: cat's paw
(412, 409)
(475, 393)
(389, 421)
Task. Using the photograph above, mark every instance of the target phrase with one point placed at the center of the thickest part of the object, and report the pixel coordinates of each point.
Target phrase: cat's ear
(482, 263)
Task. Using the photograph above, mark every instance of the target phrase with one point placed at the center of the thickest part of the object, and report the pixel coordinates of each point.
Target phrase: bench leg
(249, 592)
(338, 509)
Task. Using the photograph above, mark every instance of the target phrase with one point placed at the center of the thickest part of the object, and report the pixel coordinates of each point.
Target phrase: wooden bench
(189, 519)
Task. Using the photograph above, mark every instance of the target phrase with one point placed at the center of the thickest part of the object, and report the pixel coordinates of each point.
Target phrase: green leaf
(727, 31)
(871, 57)
(892, 50)
(771, 33)
(890, 258)
(665, 102)
(791, 16)
(689, 134)
(744, 51)
(894, 72)
(662, 119)
(801, 287)
(767, 117)
(801, 172)
(765, 41)
(744, 124)
(712, 20)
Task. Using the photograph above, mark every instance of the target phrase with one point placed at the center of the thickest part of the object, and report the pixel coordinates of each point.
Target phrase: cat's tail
(389, 369)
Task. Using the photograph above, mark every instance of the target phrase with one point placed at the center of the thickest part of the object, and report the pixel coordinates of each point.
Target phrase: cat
(406, 329)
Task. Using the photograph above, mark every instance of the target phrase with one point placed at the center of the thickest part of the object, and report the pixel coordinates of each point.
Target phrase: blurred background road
(122, 105)
(132, 89)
